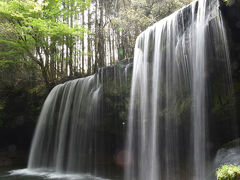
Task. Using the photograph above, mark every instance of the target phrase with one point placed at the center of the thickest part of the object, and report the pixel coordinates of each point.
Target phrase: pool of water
(39, 174)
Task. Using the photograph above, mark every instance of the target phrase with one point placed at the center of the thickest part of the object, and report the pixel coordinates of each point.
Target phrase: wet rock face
(231, 14)
(231, 18)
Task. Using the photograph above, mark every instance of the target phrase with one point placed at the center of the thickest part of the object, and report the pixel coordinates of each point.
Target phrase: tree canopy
(34, 30)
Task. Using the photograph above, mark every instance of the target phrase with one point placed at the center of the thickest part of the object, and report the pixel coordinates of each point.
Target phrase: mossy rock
(228, 172)
(232, 2)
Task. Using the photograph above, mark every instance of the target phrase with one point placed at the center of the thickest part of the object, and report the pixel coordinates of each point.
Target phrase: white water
(53, 175)
(56, 140)
(65, 139)
(167, 126)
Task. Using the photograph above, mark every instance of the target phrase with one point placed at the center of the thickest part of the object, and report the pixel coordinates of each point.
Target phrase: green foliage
(32, 21)
(33, 30)
(228, 2)
(228, 172)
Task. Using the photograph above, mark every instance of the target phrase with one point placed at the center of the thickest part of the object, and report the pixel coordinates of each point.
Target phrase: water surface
(39, 174)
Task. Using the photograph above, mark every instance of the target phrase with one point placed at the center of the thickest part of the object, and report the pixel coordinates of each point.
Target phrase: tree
(39, 31)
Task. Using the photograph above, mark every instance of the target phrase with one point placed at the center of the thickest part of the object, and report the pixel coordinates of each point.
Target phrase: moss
(226, 1)
(229, 2)
(221, 102)
(2, 105)
(228, 172)
(185, 105)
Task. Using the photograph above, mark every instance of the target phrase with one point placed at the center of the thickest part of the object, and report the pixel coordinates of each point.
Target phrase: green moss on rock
(228, 172)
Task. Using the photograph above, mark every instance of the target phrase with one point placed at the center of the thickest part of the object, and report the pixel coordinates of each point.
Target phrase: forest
(101, 80)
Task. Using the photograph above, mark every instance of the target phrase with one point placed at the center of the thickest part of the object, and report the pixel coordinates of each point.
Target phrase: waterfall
(64, 139)
(76, 136)
(174, 62)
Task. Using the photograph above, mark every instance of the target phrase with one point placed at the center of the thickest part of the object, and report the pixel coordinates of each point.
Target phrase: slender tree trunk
(101, 41)
(113, 47)
(62, 60)
(110, 46)
(53, 50)
(89, 71)
(124, 5)
(40, 62)
(119, 46)
(96, 37)
(71, 6)
(67, 57)
(83, 44)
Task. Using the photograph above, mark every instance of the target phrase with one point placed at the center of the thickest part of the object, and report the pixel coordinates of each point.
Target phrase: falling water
(73, 138)
(64, 139)
(173, 63)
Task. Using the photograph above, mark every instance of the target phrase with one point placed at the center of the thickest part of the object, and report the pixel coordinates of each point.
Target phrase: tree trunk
(83, 44)
(110, 46)
(113, 47)
(101, 41)
(96, 38)
(89, 71)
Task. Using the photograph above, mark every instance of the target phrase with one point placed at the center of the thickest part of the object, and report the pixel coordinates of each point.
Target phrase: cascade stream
(167, 135)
